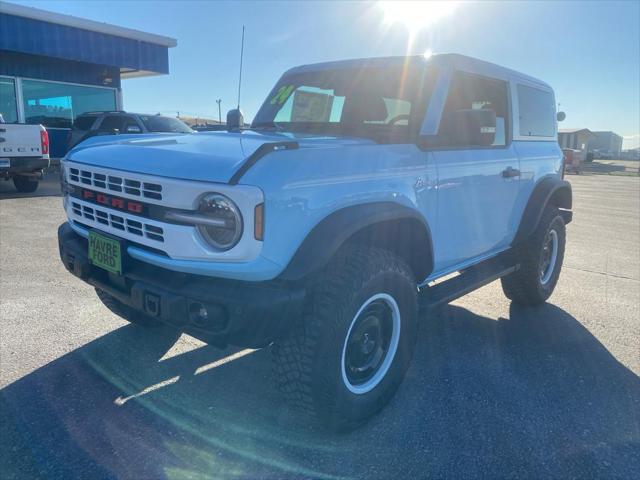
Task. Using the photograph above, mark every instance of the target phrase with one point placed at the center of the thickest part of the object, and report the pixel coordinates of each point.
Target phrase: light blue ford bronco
(364, 192)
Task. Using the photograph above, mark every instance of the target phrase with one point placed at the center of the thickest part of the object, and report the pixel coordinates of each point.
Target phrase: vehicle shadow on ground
(535, 395)
(49, 187)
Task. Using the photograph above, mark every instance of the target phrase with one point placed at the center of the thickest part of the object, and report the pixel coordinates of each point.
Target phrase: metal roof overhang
(576, 130)
(47, 34)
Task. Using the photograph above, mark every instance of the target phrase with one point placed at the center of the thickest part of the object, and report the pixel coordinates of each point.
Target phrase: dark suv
(112, 123)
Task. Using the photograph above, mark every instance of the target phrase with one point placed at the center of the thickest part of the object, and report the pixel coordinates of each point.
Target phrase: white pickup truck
(24, 153)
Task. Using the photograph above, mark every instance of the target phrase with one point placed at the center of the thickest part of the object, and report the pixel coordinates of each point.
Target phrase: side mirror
(133, 129)
(235, 119)
(561, 116)
(471, 127)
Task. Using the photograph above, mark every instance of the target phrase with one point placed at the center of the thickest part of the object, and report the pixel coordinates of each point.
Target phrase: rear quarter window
(83, 123)
(537, 112)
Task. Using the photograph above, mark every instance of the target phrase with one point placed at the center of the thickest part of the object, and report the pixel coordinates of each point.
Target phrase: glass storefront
(56, 105)
(53, 104)
(8, 103)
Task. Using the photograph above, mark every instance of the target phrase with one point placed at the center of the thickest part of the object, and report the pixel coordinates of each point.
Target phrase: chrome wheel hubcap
(549, 256)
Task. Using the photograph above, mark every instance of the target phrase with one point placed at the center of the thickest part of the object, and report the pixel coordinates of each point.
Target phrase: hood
(207, 156)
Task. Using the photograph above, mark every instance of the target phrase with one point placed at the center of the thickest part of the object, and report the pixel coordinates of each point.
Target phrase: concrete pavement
(494, 391)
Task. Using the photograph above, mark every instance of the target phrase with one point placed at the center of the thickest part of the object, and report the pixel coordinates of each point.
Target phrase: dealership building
(55, 67)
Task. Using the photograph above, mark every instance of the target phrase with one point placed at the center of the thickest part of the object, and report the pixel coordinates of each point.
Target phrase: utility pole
(219, 101)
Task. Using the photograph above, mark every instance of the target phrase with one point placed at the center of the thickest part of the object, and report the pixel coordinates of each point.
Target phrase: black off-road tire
(126, 312)
(25, 184)
(525, 286)
(309, 362)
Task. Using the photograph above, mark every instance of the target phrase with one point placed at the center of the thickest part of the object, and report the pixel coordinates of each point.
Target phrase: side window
(469, 91)
(130, 122)
(112, 122)
(398, 112)
(537, 112)
(8, 104)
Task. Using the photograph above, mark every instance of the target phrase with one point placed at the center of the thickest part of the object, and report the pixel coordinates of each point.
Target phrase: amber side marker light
(258, 222)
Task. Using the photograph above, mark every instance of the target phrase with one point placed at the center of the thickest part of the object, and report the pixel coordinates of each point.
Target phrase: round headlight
(226, 229)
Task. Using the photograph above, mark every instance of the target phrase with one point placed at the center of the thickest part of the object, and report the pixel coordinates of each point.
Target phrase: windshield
(155, 123)
(384, 104)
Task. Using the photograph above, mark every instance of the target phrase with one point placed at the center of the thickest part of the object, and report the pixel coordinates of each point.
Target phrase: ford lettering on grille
(113, 202)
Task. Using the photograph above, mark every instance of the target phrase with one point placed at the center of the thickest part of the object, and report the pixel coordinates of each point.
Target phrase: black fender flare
(548, 189)
(370, 220)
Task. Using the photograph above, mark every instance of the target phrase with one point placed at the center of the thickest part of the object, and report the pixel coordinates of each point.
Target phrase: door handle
(510, 172)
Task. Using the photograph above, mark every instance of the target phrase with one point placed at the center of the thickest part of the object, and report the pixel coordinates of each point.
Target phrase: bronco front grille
(118, 222)
(116, 183)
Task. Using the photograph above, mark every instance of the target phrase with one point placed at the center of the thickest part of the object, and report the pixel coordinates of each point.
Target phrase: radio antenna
(240, 76)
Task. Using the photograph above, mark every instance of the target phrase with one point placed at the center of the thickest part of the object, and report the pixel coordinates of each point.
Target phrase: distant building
(575, 138)
(606, 142)
(631, 154)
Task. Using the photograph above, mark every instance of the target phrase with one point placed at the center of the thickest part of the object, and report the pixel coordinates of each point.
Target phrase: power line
(240, 76)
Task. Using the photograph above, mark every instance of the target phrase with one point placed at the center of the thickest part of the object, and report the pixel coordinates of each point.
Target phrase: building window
(57, 105)
(8, 104)
(537, 112)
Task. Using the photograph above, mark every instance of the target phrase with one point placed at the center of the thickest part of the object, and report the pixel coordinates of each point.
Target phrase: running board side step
(467, 281)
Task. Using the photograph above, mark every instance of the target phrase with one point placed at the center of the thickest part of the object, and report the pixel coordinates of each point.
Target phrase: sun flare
(416, 15)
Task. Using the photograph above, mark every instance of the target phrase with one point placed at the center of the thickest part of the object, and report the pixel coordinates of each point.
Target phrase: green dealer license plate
(104, 252)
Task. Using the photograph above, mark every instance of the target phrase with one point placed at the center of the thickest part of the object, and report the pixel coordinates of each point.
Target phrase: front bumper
(24, 165)
(246, 314)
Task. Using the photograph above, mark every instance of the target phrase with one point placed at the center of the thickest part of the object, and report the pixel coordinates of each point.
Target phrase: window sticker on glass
(282, 95)
(311, 107)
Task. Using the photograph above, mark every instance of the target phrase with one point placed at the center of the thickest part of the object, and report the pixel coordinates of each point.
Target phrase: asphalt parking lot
(494, 391)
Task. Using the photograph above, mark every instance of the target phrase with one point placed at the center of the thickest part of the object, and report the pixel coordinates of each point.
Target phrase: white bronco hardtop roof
(454, 60)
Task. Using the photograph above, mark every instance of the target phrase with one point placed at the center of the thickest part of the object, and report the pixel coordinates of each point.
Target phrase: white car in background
(24, 154)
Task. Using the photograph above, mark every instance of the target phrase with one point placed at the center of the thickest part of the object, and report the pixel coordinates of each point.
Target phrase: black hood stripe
(260, 152)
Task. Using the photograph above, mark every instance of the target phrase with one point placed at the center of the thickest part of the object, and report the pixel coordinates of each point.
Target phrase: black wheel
(126, 312)
(25, 184)
(541, 261)
(348, 355)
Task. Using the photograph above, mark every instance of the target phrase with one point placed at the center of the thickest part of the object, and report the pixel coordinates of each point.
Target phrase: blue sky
(588, 51)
